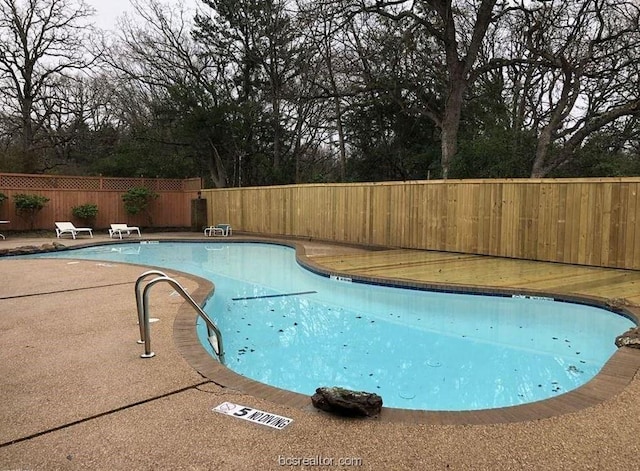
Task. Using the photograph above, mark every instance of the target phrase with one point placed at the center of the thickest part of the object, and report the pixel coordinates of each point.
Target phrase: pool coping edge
(612, 379)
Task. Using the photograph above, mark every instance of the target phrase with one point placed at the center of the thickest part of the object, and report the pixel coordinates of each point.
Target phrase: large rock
(31, 249)
(24, 250)
(631, 338)
(347, 403)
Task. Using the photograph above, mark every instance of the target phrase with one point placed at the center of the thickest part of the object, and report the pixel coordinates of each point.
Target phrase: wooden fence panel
(172, 208)
(581, 221)
(380, 216)
(631, 224)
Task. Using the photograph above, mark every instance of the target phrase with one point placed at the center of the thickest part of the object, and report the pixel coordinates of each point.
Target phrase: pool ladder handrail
(142, 305)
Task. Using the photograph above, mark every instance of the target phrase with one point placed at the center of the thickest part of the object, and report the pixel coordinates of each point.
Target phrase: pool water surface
(288, 327)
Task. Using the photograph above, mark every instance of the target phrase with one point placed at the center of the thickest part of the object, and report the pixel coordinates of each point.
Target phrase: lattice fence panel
(46, 182)
(160, 184)
(25, 181)
(170, 185)
(71, 183)
(121, 184)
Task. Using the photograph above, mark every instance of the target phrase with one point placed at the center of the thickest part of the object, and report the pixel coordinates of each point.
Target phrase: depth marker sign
(253, 415)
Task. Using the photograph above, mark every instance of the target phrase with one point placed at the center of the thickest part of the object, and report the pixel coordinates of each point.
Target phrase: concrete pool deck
(77, 395)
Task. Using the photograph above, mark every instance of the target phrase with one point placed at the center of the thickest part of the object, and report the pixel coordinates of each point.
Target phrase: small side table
(4, 222)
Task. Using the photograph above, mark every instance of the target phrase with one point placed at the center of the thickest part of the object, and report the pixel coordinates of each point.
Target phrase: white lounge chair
(4, 222)
(120, 229)
(220, 229)
(68, 228)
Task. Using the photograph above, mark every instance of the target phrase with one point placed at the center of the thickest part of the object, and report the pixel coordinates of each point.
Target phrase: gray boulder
(347, 403)
(631, 338)
(31, 249)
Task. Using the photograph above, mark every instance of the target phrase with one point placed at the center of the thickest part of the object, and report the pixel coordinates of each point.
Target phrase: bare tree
(82, 111)
(324, 35)
(157, 57)
(262, 46)
(460, 29)
(40, 42)
(588, 76)
(154, 47)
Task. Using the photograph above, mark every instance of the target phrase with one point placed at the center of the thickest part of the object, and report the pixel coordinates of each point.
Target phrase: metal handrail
(143, 314)
(139, 303)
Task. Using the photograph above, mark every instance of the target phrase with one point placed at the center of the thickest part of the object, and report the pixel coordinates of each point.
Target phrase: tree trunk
(277, 148)
(341, 145)
(543, 163)
(216, 168)
(451, 123)
(544, 141)
(28, 156)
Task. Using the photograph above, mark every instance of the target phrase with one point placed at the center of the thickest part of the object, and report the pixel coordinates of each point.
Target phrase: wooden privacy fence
(581, 221)
(170, 209)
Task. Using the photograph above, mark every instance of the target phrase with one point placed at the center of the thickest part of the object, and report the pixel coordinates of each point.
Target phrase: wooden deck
(456, 272)
(477, 270)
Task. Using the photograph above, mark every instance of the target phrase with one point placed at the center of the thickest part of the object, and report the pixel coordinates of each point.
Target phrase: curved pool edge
(612, 379)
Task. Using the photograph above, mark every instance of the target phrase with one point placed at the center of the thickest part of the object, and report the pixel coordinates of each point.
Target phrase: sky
(108, 11)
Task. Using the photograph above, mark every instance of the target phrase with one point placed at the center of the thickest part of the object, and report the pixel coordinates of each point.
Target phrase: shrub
(85, 212)
(28, 206)
(137, 200)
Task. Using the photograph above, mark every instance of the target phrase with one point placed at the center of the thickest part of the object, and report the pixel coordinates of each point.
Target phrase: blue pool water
(288, 327)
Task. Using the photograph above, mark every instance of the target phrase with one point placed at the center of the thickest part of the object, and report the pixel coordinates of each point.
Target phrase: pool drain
(405, 395)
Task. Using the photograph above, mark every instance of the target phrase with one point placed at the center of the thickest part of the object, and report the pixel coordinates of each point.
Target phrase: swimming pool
(286, 326)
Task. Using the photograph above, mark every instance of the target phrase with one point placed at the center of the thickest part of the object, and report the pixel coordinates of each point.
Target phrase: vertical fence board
(632, 229)
(595, 221)
(614, 243)
(602, 244)
(583, 221)
(496, 218)
(572, 223)
(484, 217)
